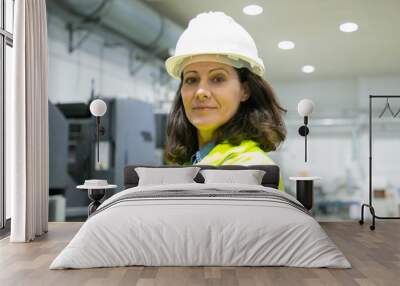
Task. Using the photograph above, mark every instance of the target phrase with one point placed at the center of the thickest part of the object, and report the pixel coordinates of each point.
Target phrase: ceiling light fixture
(286, 45)
(252, 10)
(308, 69)
(348, 27)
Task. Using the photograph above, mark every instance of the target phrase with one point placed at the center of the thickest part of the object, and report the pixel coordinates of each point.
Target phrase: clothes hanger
(398, 111)
(387, 106)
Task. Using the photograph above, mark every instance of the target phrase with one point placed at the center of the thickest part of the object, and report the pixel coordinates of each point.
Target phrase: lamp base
(95, 195)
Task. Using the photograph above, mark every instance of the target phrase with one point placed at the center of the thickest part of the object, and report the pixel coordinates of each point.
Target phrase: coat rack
(394, 115)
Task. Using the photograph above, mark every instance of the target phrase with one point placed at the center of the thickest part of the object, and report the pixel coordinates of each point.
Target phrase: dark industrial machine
(128, 138)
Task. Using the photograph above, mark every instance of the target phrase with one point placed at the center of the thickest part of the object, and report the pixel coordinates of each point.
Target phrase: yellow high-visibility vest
(247, 153)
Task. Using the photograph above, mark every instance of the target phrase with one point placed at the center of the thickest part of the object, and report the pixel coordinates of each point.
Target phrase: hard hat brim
(173, 63)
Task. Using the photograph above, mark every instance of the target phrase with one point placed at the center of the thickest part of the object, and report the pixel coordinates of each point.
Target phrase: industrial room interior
(339, 122)
(114, 50)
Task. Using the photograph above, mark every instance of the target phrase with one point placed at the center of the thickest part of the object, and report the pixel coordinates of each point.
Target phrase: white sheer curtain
(27, 123)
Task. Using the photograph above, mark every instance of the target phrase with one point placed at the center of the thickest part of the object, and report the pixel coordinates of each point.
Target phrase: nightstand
(96, 191)
(304, 190)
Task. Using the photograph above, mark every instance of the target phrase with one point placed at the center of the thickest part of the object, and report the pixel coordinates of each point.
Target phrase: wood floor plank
(374, 255)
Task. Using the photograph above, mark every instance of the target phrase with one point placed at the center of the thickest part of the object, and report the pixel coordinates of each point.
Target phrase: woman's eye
(218, 79)
(190, 80)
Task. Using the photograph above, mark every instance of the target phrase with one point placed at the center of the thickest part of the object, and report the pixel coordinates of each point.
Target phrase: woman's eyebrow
(211, 70)
(219, 69)
(186, 72)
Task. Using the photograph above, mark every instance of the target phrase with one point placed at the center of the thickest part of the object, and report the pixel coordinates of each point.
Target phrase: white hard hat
(215, 33)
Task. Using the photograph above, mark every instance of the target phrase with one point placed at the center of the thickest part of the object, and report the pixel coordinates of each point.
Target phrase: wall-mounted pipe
(131, 19)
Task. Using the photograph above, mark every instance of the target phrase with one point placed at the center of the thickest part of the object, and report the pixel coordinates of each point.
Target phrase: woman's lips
(203, 108)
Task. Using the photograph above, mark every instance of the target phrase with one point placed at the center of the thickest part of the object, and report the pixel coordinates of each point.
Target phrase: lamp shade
(98, 107)
(305, 107)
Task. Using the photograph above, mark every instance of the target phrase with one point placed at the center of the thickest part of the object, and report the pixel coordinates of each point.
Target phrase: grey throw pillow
(249, 177)
(163, 176)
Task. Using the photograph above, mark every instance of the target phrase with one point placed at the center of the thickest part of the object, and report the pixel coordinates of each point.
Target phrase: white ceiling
(374, 50)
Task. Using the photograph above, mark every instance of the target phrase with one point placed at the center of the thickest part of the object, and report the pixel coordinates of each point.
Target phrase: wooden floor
(374, 255)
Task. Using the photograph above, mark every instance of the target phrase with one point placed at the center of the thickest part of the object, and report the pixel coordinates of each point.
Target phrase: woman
(224, 113)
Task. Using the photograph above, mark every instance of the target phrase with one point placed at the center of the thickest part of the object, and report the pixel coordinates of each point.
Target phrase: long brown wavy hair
(259, 118)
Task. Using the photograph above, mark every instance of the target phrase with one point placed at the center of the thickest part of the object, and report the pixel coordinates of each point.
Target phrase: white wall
(70, 74)
(328, 95)
(388, 85)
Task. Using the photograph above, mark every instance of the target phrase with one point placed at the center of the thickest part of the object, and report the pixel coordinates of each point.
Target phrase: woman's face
(211, 94)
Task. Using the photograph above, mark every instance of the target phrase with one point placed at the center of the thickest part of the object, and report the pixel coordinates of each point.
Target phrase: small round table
(95, 194)
(304, 190)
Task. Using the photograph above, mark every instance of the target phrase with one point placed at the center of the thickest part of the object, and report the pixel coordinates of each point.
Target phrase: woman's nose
(203, 93)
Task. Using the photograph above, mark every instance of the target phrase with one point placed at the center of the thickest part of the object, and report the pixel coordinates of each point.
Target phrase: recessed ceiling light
(252, 10)
(308, 69)
(286, 45)
(348, 27)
